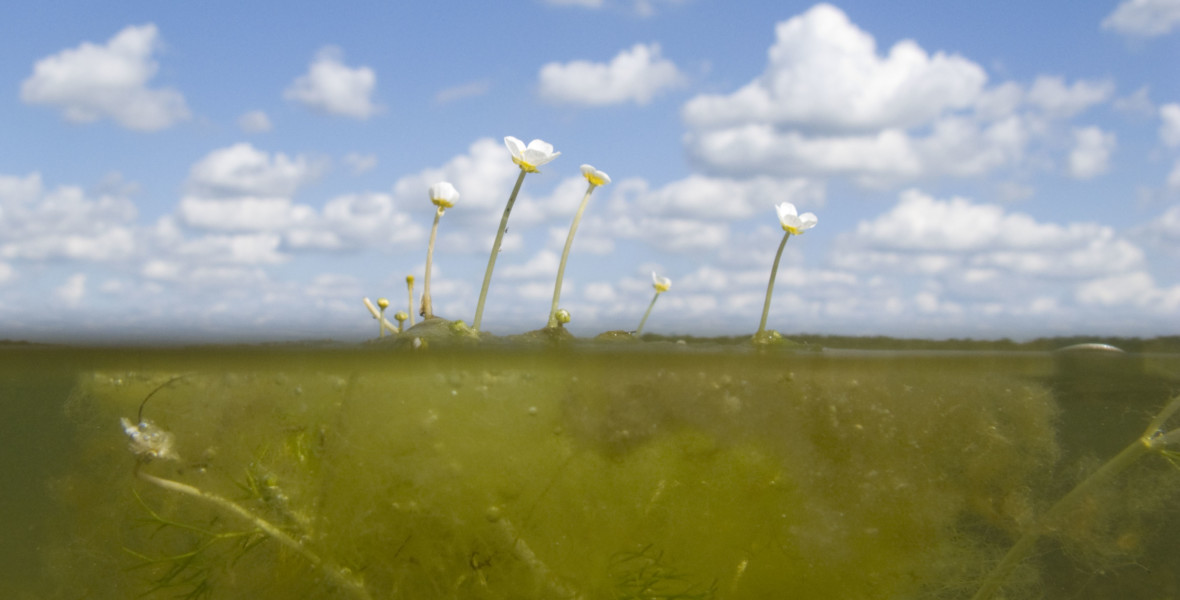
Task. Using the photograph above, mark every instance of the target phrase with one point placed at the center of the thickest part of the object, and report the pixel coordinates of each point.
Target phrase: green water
(646, 472)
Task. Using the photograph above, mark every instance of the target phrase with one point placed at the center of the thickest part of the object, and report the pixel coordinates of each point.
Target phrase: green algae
(675, 473)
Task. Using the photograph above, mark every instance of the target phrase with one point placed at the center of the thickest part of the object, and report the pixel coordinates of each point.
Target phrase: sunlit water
(661, 472)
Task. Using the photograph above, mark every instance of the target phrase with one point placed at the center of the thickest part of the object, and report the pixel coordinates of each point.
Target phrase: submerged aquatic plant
(1156, 439)
(661, 284)
(443, 195)
(792, 223)
(596, 179)
(528, 158)
(149, 442)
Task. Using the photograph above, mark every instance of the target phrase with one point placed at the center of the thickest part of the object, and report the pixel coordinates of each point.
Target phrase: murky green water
(666, 472)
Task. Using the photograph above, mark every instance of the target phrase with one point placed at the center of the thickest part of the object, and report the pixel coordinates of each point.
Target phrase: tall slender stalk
(487, 277)
(565, 254)
(410, 294)
(427, 306)
(639, 330)
(770, 286)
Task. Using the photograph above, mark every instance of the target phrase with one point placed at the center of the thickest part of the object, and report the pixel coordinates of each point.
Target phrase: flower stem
(410, 294)
(770, 286)
(487, 277)
(639, 330)
(427, 306)
(565, 254)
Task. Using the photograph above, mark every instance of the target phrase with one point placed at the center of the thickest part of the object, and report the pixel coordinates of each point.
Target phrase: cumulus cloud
(332, 87)
(243, 170)
(1052, 95)
(636, 75)
(360, 163)
(1170, 126)
(255, 121)
(467, 90)
(1144, 18)
(830, 103)
(825, 73)
(64, 222)
(1091, 152)
(91, 82)
(922, 234)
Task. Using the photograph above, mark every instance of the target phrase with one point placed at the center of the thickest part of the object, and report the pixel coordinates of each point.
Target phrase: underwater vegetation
(655, 471)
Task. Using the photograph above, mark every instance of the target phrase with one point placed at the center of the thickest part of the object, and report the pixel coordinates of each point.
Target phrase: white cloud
(91, 82)
(360, 163)
(41, 224)
(1091, 152)
(243, 213)
(960, 238)
(1137, 288)
(721, 198)
(243, 170)
(1174, 176)
(637, 75)
(1137, 103)
(332, 87)
(73, 290)
(1170, 127)
(1052, 95)
(467, 90)
(255, 121)
(1144, 18)
(824, 73)
(829, 104)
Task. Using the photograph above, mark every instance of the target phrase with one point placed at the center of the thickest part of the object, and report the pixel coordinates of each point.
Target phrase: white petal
(515, 146)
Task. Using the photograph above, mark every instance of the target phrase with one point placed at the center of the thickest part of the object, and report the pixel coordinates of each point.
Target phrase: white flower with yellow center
(793, 222)
(594, 176)
(444, 195)
(662, 284)
(528, 158)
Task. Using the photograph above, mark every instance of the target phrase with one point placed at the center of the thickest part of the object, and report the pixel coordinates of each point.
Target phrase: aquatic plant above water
(538, 152)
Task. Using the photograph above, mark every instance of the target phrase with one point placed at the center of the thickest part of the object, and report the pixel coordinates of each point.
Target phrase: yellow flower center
(524, 166)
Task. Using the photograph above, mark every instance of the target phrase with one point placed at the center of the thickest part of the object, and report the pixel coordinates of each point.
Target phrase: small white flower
(443, 194)
(792, 221)
(662, 284)
(594, 176)
(148, 441)
(532, 156)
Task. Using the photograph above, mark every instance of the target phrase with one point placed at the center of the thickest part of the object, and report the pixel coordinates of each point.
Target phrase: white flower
(534, 155)
(594, 176)
(662, 284)
(443, 194)
(148, 441)
(792, 221)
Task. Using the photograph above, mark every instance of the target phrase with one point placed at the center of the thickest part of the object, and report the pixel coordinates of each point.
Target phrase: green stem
(337, 574)
(770, 286)
(487, 277)
(565, 254)
(427, 306)
(1152, 440)
(639, 330)
(410, 306)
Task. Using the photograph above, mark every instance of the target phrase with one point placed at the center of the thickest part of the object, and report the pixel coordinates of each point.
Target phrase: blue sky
(227, 170)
